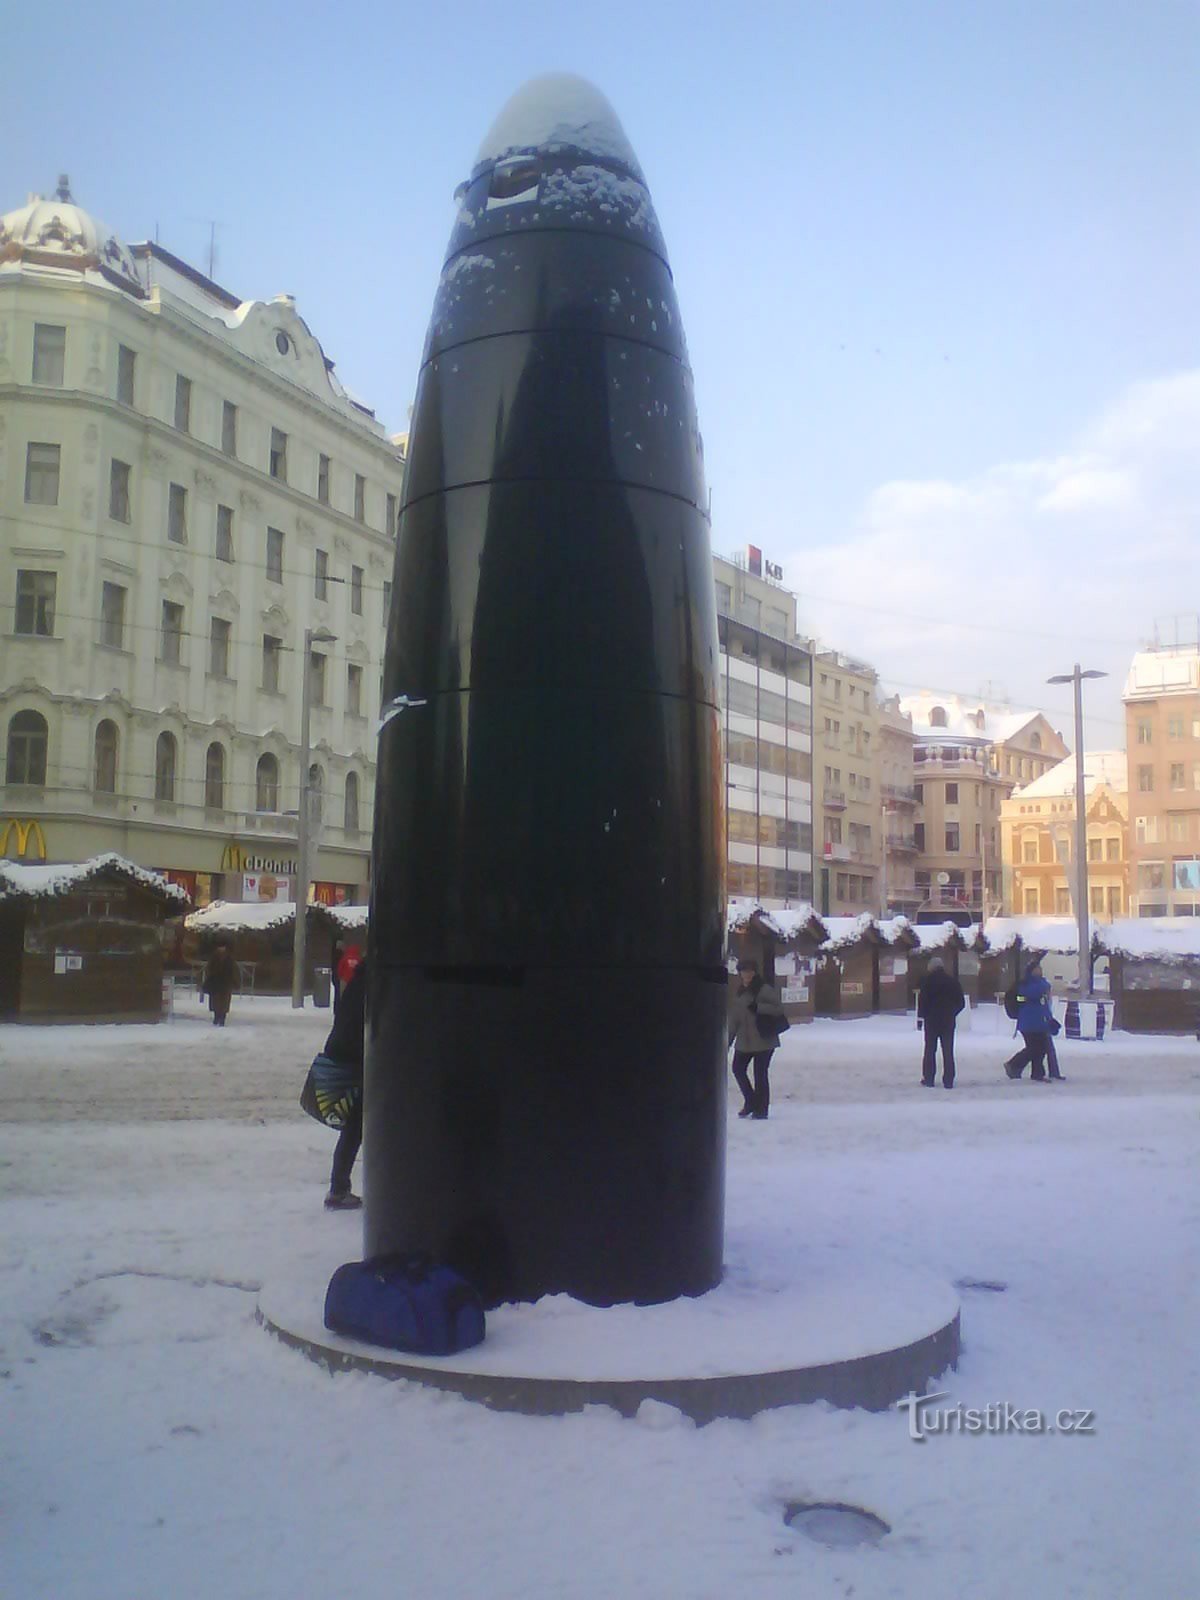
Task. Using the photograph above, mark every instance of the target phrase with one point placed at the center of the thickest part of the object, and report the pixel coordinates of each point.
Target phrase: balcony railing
(834, 799)
(902, 842)
(904, 793)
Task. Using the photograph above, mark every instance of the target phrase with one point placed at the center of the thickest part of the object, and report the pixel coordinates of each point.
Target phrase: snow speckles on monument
(558, 110)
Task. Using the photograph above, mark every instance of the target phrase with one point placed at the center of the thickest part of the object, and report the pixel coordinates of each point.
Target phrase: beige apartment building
(846, 782)
(185, 489)
(968, 757)
(1162, 732)
(898, 798)
(1038, 840)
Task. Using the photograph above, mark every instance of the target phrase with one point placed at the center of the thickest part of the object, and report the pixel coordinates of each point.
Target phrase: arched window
(316, 794)
(266, 784)
(937, 717)
(350, 817)
(214, 777)
(28, 737)
(1035, 741)
(166, 753)
(104, 779)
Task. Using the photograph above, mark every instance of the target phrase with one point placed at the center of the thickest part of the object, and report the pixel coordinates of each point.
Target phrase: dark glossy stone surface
(545, 1072)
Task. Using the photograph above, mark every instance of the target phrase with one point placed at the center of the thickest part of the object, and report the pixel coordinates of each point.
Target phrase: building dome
(58, 233)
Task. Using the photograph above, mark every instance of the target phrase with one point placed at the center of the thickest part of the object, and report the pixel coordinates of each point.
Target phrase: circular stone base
(856, 1336)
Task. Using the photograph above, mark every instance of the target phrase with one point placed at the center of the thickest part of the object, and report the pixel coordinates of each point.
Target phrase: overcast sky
(938, 265)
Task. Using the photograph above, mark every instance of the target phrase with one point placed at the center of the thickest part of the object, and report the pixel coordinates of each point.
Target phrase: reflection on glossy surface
(545, 1072)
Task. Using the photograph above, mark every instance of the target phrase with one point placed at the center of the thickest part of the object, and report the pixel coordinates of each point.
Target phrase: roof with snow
(58, 238)
(785, 924)
(1057, 934)
(963, 718)
(1099, 767)
(1155, 672)
(255, 916)
(939, 935)
(345, 919)
(21, 882)
(1151, 938)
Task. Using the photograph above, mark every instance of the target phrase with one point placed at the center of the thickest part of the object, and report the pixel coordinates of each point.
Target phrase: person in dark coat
(220, 975)
(751, 1043)
(345, 1045)
(939, 1000)
(1036, 1024)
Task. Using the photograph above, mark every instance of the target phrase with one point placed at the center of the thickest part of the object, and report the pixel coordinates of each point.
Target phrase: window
(951, 794)
(118, 491)
(183, 403)
(1145, 780)
(28, 738)
(1145, 733)
(1175, 728)
(126, 362)
(937, 717)
(360, 497)
(978, 837)
(1029, 850)
(214, 777)
(177, 514)
(356, 590)
(1062, 850)
(35, 603)
(112, 616)
(387, 601)
(1095, 849)
(1062, 902)
(104, 767)
(166, 753)
(1031, 900)
(172, 632)
(354, 681)
(49, 354)
(266, 784)
(1177, 828)
(323, 479)
(390, 513)
(919, 793)
(224, 549)
(919, 836)
(272, 652)
(316, 678)
(274, 556)
(218, 648)
(1177, 778)
(278, 463)
(229, 427)
(952, 838)
(724, 599)
(1112, 849)
(321, 575)
(316, 794)
(42, 462)
(350, 809)
(1151, 875)
(1114, 901)
(1146, 830)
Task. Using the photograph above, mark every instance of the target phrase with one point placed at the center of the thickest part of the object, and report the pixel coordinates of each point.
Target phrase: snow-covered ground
(156, 1442)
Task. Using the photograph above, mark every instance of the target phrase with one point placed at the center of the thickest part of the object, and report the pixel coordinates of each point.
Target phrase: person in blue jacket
(1036, 1024)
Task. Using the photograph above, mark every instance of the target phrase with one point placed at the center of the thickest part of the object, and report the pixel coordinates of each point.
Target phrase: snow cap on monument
(558, 111)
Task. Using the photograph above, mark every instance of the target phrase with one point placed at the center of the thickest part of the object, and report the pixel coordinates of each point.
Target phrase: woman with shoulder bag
(756, 1019)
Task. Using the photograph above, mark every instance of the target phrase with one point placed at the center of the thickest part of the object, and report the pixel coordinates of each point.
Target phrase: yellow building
(1037, 826)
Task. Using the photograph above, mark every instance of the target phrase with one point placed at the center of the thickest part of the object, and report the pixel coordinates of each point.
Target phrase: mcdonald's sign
(31, 841)
(234, 858)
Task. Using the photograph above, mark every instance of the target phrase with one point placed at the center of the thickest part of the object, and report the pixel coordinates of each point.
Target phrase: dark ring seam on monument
(559, 333)
(592, 483)
(473, 246)
(593, 694)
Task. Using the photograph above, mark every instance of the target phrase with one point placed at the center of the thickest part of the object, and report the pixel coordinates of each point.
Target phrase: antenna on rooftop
(63, 192)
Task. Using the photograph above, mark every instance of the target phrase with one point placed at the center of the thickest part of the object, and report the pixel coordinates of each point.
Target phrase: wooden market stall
(784, 944)
(899, 940)
(82, 942)
(846, 971)
(944, 939)
(1154, 973)
(260, 937)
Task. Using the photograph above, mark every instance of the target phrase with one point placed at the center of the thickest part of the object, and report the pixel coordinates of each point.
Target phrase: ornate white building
(185, 488)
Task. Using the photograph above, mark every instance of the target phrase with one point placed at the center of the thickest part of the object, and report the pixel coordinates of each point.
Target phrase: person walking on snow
(1036, 1023)
(753, 1040)
(939, 1000)
(345, 1046)
(220, 975)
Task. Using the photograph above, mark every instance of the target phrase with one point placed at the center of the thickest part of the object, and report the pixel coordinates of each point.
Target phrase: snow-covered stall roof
(1057, 934)
(937, 935)
(1151, 938)
(346, 919)
(224, 916)
(19, 881)
(843, 931)
(785, 924)
(897, 930)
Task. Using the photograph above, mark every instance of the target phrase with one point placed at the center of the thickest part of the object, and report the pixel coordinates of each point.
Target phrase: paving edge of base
(874, 1382)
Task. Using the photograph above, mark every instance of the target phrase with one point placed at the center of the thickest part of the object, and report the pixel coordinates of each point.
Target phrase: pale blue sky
(912, 241)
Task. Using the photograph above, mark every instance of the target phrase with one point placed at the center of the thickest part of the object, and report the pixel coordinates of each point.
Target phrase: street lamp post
(303, 814)
(1081, 864)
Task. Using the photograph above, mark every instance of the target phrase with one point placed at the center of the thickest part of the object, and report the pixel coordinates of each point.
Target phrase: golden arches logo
(233, 859)
(31, 841)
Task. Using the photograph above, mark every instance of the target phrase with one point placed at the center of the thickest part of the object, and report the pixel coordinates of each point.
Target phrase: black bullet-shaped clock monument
(545, 1096)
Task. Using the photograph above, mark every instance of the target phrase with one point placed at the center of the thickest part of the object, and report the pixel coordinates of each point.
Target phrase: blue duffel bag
(404, 1303)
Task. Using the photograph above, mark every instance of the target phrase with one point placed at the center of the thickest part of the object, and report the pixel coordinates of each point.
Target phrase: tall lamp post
(304, 815)
(1081, 864)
